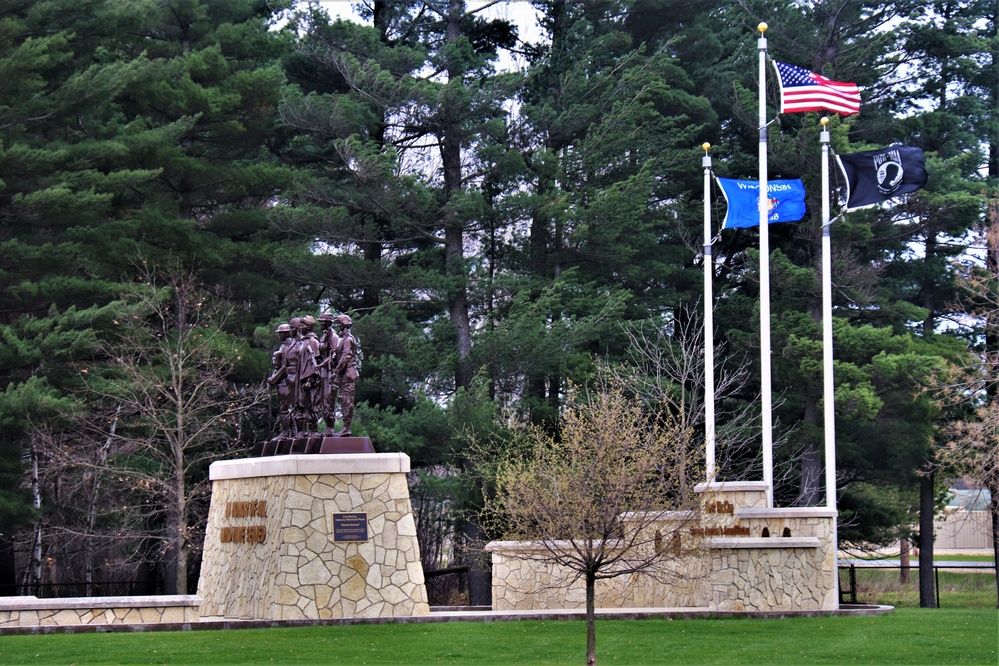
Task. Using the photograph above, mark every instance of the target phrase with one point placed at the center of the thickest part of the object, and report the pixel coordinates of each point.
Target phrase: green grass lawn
(909, 636)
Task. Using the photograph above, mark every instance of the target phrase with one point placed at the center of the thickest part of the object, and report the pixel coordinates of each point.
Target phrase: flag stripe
(801, 103)
(797, 96)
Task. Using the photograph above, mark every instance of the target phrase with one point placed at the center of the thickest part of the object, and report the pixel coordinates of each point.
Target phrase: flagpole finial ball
(824, 121)
(762, 27)
(706, 146)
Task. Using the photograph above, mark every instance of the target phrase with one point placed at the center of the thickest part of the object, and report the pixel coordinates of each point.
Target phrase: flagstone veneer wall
(270, 548)
(738, 569)
(524, 578)
(31, 611)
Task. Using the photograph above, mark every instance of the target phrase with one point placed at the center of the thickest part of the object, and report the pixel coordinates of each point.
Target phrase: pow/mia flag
(873, 176)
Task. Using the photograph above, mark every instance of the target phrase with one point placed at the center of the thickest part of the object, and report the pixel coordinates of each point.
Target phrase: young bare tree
(176, 411)
(972, 442)
(603, 496)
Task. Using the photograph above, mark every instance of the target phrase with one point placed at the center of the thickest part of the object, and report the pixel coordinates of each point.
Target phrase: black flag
(873, 176)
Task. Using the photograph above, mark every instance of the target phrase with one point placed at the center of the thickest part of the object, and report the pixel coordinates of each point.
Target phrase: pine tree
(124, 140)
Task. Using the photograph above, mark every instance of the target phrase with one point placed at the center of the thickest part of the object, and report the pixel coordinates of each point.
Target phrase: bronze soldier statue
(291, 361)
(308, 388)
(279, 379)
(329, 341)
(346, 372)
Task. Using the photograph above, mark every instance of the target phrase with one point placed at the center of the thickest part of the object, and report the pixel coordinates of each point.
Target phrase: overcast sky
(519, 12)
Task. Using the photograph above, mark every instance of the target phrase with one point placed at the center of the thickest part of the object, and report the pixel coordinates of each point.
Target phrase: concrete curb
(216, 624)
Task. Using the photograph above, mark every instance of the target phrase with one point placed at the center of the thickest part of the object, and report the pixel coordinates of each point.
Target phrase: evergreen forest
(507, 198)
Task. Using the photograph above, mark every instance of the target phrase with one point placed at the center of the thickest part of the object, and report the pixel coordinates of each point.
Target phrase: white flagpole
(709, 332)
(764, 205)
(828, 390)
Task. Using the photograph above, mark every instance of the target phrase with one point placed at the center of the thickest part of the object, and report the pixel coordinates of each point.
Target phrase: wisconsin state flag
(785, 202)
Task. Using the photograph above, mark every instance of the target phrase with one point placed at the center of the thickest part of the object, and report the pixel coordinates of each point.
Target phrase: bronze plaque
(350, 527)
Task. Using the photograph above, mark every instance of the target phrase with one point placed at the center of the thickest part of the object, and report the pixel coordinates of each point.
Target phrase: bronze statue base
(346, 445)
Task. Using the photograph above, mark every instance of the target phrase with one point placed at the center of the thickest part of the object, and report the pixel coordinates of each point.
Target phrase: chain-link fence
(972, 586)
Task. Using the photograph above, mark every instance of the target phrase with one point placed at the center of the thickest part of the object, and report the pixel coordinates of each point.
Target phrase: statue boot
(348, 416)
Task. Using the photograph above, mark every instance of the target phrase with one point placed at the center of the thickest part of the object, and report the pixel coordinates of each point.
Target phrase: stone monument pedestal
(312, 536)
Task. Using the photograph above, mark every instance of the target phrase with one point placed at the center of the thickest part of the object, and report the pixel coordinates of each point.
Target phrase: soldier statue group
(315, 374)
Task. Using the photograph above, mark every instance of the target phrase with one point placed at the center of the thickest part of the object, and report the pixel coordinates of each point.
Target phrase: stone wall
(31, 611)
(525, 578)
(747, 558)
(271, 551)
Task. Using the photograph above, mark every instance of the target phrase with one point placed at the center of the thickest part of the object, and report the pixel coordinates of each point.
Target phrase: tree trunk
(591, 624)
(810, 490)
(33, 573)
(177, 547)
(454, 230)
(372, 250)
(903, 560)
(927, 592)
(102, 457)
(929, 287)
(994, 506)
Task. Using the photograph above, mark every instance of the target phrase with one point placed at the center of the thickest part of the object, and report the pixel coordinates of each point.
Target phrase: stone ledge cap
(764, 542)
(298, 464)
(542, 546)
(70, 603)
(730, 486)
(658, 516)
(787, 512)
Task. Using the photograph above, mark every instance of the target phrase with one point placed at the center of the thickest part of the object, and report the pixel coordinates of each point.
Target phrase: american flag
(802, 90)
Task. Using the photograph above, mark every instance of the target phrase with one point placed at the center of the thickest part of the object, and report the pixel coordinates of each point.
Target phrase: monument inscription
(244, 533)
(350, 527)
(251, 509)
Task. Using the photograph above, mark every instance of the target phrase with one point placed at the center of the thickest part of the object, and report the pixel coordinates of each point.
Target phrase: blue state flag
(786, 197)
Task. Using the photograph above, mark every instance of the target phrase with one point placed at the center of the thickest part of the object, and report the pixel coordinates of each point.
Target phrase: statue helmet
(295, 322)
(326, 316)
(283, 328)
(308, 321)
(343, 320)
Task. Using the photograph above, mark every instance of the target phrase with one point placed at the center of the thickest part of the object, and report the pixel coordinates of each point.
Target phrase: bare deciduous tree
(603, 496)
(666, 364)
(177, 411)
(972, 443)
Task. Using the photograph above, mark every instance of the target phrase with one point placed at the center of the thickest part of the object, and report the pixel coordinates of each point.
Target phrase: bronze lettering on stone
(720, 507)
(350, 527)
(733, 531)
(244, 533)
(251, 509)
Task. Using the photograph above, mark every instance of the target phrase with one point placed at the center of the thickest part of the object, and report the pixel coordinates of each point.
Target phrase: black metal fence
(972, 586)
(447, 587)
(120, 588)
